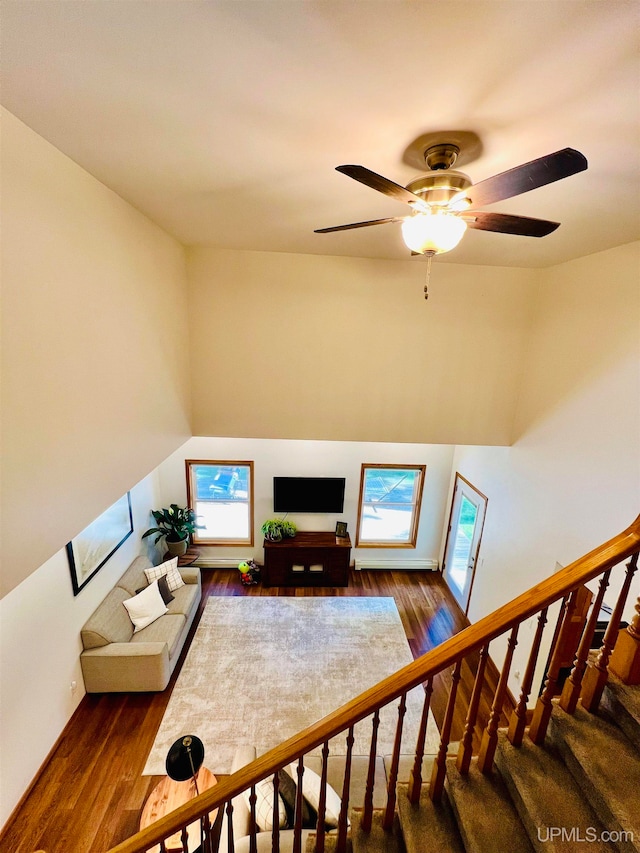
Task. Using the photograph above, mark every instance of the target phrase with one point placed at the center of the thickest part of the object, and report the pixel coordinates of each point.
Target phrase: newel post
(625, 660)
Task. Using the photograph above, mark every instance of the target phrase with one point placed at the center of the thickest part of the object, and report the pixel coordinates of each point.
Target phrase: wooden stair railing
(587, 681)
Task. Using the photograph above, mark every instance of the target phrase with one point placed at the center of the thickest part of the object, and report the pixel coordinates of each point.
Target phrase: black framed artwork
(341, 529)
(90, 550)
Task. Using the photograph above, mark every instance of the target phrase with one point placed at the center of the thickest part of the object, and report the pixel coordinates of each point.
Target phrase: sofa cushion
(165, 630)
(168, 568)
(109, 623)
(184, 599)
(145, 607)
(134, 578)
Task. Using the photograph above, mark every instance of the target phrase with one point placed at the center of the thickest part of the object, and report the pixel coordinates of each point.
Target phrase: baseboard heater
(415, 565)
(221, 562)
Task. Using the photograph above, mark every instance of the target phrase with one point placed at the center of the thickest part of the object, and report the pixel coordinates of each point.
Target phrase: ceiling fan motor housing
(439, 187)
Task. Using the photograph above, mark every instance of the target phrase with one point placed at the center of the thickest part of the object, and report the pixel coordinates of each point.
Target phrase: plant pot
(177, 549)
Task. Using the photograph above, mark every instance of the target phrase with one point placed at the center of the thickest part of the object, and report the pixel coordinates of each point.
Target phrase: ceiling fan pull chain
(426, 284)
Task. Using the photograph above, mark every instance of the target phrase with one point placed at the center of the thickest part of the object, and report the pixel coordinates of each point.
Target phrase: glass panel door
(463, 540)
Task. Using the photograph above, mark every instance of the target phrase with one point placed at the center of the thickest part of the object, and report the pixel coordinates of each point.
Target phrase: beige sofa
(117, 660)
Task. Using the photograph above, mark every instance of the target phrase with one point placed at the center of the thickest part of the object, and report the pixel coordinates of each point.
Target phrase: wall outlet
(73, 686)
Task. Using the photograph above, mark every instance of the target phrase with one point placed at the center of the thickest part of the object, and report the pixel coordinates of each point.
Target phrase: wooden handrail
(446, 654)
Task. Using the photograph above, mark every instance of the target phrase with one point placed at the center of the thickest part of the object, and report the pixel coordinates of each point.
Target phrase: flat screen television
(308, 494)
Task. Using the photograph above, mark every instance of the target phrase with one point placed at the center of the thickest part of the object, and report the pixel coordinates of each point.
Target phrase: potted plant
(175, 525)
(276, 529)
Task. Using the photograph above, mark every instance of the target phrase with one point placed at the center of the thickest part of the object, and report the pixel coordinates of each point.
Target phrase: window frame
(192, 498)
(416, 505)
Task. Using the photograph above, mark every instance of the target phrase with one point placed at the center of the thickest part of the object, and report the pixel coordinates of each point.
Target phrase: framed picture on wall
(91, 549)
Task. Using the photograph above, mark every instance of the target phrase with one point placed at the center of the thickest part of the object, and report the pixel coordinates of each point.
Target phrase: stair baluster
(596, 675)
(341, 844)
(518, 721)
(436, 785)
(367, 809)
(387, 821)
(253, 844)
(297, 819)
(542, 712)
(230, 839)
(184, 839)
(490, 737)
(415, 780)
(573, 684)
(275, 833)
(465, 749)
(322, 801)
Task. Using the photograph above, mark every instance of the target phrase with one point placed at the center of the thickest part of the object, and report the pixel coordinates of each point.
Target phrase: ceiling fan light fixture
(435, 232)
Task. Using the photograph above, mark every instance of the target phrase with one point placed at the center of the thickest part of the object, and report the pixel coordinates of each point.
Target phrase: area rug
(260, 669)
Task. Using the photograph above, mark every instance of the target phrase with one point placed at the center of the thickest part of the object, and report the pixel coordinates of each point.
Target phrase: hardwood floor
(90, 794)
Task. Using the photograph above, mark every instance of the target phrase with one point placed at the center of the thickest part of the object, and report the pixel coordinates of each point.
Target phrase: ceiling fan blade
(529, 176)
(381, 184)
(505, 223)
(358, 225)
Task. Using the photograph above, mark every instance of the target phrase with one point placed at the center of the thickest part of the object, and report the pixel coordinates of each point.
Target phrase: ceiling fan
(445, 201)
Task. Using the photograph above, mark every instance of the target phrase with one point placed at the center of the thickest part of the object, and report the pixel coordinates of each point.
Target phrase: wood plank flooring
(90, 793)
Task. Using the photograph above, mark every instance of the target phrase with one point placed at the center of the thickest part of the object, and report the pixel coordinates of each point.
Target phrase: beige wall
(571, 480)
(40, 622)
(309, 458)
(303, 346)
(95, 382)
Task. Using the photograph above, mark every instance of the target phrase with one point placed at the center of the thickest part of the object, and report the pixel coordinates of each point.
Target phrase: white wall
(571, 480)
(277, 457)
(95, 380)
(347, 349)
(40, 622)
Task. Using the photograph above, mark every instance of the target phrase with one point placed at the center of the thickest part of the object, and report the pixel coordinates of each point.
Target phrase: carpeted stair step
(606, 765)
(330, 844)
(621, 703)
(553, 809)
(487, 819)
(377, 840)
(428, 827)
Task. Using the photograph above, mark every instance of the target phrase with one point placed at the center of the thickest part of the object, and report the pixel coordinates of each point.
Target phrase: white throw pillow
(170, 569)
(311, 784)
(145, 607)
(264, 806)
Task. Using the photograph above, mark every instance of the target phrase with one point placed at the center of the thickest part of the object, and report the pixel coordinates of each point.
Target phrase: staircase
(581, 790)
(560, 779)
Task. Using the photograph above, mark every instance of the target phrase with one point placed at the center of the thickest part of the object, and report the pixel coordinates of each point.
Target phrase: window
(221, 493)
(389, 506)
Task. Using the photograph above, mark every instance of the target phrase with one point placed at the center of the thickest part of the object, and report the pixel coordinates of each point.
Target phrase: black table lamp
(185, 758)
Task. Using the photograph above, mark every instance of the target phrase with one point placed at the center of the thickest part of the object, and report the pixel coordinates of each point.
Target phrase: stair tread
(377, 840)
(621, 702)
(605, 764)
(487, 818)
(428, 827)
(547, 797)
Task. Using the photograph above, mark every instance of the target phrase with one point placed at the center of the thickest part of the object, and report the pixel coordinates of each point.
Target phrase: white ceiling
(223, 121)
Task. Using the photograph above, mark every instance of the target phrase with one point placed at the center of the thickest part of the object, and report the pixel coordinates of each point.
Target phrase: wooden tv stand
(307, 559)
